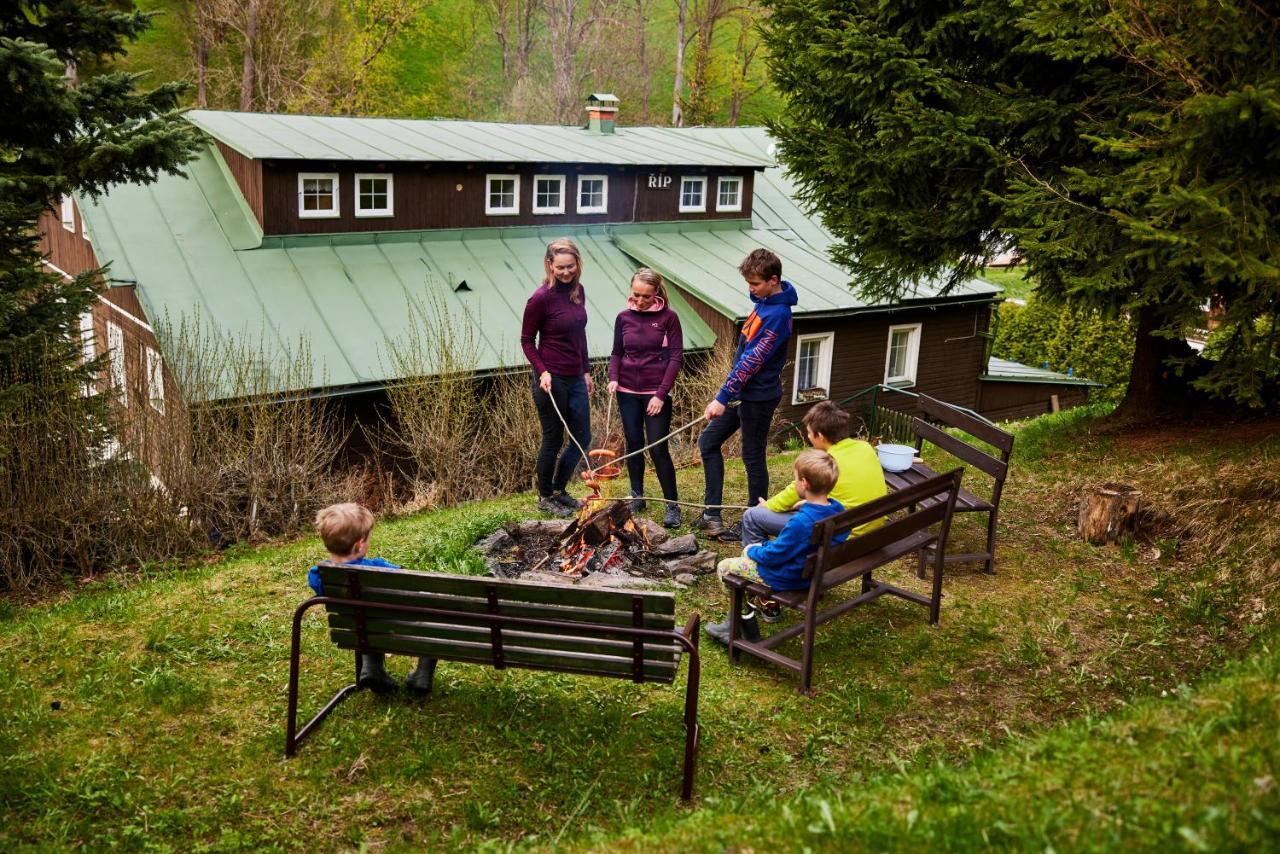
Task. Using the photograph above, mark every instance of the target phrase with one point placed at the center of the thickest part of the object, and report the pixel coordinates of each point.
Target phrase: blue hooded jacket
(762, 349)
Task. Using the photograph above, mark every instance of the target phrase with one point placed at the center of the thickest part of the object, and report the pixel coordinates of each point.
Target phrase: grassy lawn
(1080, 697)
(1013, 279)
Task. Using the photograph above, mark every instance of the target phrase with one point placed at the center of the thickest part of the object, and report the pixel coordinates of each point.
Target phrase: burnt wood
(503, 624)
(912, 526)
(966, 502)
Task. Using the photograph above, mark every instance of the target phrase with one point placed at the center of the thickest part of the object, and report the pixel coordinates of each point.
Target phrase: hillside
(1080, 697)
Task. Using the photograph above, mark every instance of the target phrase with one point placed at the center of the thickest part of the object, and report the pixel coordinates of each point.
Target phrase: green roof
(347, 295)
(1003, 370)
(286, 137)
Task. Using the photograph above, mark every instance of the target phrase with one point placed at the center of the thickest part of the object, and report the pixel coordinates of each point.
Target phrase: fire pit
(603, 546)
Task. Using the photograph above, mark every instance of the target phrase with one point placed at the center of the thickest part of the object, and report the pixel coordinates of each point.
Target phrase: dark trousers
(754, 417)
(640, 428)
(571, 396)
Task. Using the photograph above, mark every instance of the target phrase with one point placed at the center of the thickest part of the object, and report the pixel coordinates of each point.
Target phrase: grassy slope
(1014, 281)
(169, 702)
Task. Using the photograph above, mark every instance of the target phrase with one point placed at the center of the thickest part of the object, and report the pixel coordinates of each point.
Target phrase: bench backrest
(916, 507)
(501, 622)
(950, 416)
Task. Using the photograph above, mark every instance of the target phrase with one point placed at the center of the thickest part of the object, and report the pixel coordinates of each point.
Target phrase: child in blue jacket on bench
(779, 563)
(345, 530)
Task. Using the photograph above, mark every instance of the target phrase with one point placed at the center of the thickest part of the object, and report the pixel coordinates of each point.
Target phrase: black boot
(419, 681)
(373, 674)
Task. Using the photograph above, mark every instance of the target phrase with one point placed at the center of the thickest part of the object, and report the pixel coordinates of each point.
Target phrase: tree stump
(1107, 511)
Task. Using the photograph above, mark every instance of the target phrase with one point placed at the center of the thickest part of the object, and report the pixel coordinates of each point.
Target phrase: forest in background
(501, 60)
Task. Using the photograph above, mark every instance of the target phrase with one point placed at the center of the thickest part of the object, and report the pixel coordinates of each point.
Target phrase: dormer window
(693, 195)
(593, 194)
(548, 194)
(729, 195)
(375, 195)
(317, 195)
(502, 194)
(68, 214)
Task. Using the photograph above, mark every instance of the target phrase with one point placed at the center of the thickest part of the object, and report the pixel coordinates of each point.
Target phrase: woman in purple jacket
(648, 349)
(554, 338)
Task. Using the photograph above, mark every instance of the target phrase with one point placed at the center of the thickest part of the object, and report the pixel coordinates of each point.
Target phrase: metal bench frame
(686, 640)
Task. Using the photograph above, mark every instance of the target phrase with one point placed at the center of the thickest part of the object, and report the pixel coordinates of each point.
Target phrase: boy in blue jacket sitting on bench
(779, 563)
(345, 530)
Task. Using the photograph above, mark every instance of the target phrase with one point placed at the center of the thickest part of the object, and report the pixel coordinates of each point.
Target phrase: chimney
(602, 112)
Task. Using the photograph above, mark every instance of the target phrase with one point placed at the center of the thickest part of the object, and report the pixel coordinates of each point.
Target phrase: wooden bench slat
(952, 417)
(533, 658)
(893, 551)
(471, 604)
(886, 535)
(653, 649)
(997, 468)
(966, 501)
(655, 602)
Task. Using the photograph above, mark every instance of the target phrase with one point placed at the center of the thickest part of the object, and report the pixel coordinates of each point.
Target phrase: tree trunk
(1107, 511)
(1154, 391)
(677, 112)
(247, 80)
(646, 71)
(202, 70)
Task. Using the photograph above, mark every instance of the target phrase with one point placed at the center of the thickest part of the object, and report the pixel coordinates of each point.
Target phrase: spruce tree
(1129, 148)
(58, 138)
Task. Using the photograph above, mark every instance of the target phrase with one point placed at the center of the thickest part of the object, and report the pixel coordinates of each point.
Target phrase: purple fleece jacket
(554, 332)
(648, 350)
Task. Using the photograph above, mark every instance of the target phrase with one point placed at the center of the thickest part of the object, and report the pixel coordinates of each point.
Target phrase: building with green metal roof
(343, 232)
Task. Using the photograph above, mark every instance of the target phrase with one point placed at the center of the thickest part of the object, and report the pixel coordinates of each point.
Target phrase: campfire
(604, 545)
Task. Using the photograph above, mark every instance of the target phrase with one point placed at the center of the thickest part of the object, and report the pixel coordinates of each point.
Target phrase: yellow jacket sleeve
(784, 500)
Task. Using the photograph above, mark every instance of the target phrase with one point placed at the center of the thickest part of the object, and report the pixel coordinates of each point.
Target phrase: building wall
(951, 351)
(431, 195)
(724, 328)
(248, 174)
(1002, 401)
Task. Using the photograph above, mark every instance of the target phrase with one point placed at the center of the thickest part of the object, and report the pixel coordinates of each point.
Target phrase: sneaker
(548, 504)
(671, 517)
(770, 611)
(637, 503)
(710, 525)
(731, 534)
(566, 501)
(750, 629)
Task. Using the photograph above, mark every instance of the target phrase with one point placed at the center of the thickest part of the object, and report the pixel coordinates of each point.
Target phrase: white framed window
(548, 194)
(318, 195)
(502, 194)
(729, 193)
(115, 349)
(593, 194)
(813, 367)
(693, 194)
(88, 349)
(375, 195)
(155, 380)
(902, 354)
(68, 209)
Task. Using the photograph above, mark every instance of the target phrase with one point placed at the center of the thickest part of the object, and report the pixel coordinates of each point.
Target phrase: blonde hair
(341, 526)
(563, 246)
(651, 277)
(818, 468)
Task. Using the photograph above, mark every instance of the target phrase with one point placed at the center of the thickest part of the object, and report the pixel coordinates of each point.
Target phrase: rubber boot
(419, 681)
(373, 674)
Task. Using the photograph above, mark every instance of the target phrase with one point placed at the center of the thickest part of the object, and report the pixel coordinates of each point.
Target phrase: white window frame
(737, 179)
(913, 355)
(551, 209)
(303, 177)
(68, 214)
(390, 209)
(88, 349)
(825, 353)
(603, 207)
(155, 379)
(515, 207)
(700, 179)
(115, 348)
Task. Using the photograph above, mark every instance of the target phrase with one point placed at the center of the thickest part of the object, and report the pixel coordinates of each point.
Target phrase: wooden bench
(920, 506)
(966, 501)
(500, 623)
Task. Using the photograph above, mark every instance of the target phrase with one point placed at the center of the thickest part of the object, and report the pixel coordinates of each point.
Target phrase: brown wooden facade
(452, 195)
(1003, 401)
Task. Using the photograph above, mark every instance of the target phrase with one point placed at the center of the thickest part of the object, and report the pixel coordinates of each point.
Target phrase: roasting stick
(617, 460)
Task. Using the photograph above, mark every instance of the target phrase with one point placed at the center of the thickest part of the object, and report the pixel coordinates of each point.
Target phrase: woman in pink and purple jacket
(648, 350)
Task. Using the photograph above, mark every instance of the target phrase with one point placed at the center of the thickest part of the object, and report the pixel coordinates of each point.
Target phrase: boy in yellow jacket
(861, 478)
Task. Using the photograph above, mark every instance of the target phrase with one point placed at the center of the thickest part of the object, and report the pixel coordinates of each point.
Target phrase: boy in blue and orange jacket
(755, 382)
